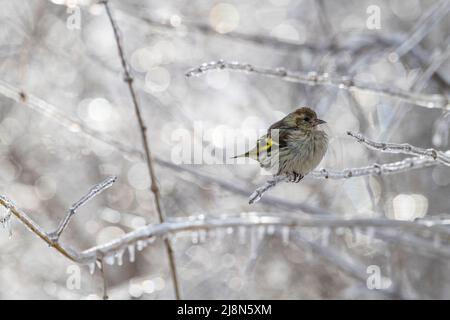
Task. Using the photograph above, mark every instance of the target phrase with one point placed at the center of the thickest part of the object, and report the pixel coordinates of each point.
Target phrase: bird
(292, 146)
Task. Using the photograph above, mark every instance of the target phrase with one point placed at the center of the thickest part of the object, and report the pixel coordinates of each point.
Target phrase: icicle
(285, 235)
(261, 232)
(370, 232)
(340, 231)
(219, 234)
(140, 245)
(437, 240)
(358, 236)
(110, 260)
(230, 230)
(194, 237)
(131, 252)
(242, 234)
(150, 240)
(92, 267)
(270, 230)
(325, 236)
(254, 243)
(119, 256)
(202, 236)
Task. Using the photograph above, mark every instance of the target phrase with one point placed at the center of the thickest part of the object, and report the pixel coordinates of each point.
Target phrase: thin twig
(313, 78)
(259, 192)
(403, 148)
(94, 191)
(148, 157)
(371, 170)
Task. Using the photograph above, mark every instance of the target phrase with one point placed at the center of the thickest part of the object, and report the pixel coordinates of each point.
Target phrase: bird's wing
(266, 142)
(279, 133)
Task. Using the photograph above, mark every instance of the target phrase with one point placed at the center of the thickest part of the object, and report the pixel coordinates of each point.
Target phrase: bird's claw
(295, 177)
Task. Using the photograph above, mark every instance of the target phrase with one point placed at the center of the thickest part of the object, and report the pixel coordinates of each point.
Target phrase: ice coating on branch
(324, 79)
(119, 256)
(105, 184)
(91, 267)
(5, 218)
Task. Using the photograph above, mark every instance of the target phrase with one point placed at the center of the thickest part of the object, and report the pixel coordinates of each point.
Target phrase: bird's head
(304, 118)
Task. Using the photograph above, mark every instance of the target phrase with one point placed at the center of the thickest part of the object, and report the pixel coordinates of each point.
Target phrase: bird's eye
(306, 119)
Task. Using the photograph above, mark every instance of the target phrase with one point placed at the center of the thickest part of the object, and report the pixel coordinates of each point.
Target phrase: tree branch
(95, 190)
(403, 148)
(146, 234)
(312, 78)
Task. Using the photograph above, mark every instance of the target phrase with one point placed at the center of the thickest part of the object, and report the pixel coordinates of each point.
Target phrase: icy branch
(94, 191)
(371, 170)
(143, 236)
(324, 79)
(259, 192)
(403, 148)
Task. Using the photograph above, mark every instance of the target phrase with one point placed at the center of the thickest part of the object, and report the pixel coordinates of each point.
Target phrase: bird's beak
(318, 121)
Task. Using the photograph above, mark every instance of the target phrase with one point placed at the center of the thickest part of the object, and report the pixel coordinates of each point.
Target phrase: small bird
(293, 146)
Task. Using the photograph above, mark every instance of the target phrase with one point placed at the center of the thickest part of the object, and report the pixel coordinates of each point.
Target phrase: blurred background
(62, 92)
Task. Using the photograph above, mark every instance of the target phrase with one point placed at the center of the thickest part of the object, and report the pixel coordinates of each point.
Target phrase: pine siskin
(293, 146)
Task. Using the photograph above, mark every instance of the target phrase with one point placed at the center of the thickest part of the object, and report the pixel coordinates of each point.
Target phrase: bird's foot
(295, 177)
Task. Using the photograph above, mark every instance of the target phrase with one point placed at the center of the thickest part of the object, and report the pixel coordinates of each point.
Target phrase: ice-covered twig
(259, 192)
(148, 156)
(324, 79)
(375, 169)
(254, 220)
(95, 190)
(193, 223)
(428, 20)
(403, 148)
(371, 170)
(36, 229)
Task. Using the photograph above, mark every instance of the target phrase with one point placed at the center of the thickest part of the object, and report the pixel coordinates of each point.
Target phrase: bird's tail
(246, 155)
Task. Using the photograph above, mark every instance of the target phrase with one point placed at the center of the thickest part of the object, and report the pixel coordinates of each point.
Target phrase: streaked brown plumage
(293, 146)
